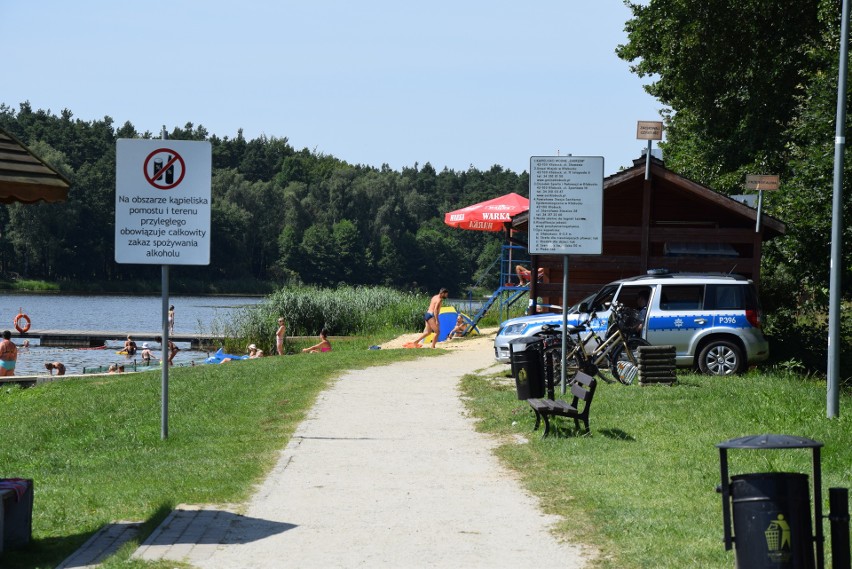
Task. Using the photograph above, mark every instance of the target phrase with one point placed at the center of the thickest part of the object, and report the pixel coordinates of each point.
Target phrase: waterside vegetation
(345, 311)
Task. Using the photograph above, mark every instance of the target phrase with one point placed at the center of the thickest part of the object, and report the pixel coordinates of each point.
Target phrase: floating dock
(97, 338)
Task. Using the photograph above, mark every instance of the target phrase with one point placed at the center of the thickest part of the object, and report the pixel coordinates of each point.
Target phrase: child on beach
(459, 330)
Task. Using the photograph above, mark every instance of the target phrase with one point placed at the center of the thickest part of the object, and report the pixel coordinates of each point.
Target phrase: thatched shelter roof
(26, 178)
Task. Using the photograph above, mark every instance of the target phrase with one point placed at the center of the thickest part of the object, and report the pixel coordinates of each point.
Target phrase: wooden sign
(649, 130)
(761, 182)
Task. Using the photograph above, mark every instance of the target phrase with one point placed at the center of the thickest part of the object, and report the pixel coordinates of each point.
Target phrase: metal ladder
(507, 292)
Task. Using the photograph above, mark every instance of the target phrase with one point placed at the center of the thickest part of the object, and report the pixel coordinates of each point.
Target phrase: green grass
(641, 486)
(28, 285)
(94, 449)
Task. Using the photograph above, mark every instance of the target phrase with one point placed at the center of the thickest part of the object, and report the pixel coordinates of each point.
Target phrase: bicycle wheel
(572, 366)
(623, 364)
(551, 368)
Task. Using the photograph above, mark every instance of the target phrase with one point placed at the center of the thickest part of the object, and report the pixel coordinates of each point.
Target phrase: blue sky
(454, 83)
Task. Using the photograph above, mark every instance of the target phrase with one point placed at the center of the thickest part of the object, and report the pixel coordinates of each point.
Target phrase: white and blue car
(713, 320)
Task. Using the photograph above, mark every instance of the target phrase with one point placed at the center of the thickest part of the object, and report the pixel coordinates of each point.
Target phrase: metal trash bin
(16, 510)
(772, 524)
(772, 520)
(525, 356)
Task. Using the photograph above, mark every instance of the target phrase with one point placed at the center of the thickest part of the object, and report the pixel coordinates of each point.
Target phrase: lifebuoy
(22, 328)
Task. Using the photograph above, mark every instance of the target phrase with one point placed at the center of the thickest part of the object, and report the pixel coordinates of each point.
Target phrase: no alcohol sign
(162, 202)
(164, 168)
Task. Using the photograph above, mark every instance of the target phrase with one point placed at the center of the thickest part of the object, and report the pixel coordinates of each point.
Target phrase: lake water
(193, 315)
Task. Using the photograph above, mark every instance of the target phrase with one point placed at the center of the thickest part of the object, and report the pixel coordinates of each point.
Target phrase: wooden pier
(98, 338)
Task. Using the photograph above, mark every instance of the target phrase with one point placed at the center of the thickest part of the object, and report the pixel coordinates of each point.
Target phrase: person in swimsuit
(279, 336)
(173, 349)
(58, 366)
(459, 330)
(147, 355)
(8, 354)
(323, 346)
(171, 320)
(130, 346)
(431, 317)
(525, 275)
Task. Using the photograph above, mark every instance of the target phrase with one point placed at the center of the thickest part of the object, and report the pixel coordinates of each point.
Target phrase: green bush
(796, 323)
(801, 340)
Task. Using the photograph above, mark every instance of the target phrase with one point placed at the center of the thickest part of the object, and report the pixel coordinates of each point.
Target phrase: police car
(713, 320)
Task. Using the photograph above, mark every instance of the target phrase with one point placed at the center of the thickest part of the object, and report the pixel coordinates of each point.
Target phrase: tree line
(278, 214)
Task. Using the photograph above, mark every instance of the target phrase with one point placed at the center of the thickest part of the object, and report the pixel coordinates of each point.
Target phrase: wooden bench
(16, 516)
(583, 388)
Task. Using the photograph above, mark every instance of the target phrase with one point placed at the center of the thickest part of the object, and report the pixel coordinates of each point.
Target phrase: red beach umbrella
(488, 215)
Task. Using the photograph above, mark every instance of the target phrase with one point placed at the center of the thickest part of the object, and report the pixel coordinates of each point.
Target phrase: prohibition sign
(160, 173)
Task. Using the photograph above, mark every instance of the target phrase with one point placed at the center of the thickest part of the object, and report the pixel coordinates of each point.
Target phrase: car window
(681, 297)
(603, 298)
(629, 296)
(576, 308)
(726, 297)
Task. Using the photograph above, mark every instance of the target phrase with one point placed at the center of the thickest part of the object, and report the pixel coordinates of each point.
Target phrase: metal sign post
(566, 215)
(835, 271)
(164, 377)
(650, 131)
(760, 183)
(162, 214)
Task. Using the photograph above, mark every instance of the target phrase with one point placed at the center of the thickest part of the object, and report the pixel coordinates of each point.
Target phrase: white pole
(563, 377)
(164, 420)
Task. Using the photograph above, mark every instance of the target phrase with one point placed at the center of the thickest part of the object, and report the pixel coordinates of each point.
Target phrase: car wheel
(721, 357)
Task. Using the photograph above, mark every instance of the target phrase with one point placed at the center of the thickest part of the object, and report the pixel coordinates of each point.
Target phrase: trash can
(772, 511)
(772, 520)
(525, 355)
(16, 510)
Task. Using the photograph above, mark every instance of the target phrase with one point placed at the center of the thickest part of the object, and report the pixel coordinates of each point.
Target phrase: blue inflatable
(220, 355)
(447, 320)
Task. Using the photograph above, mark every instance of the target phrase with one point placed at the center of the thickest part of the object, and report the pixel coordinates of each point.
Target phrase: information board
(162, 202)
(566, 205)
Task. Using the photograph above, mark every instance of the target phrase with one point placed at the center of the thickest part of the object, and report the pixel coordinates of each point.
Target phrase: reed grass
(344, 311)
(641, 486)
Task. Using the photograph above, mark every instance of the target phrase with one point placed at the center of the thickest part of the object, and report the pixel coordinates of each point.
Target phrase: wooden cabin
(663, 222)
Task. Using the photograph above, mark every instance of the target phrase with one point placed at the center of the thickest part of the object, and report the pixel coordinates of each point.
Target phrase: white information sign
(566, 205)
(162, 202)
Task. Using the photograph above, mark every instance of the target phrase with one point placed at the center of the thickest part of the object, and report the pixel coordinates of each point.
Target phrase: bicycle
(618, 349)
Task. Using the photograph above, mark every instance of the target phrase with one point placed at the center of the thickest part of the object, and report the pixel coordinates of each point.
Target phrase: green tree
(730, 72)
(351, 266)
(318, 256)
(751, 89)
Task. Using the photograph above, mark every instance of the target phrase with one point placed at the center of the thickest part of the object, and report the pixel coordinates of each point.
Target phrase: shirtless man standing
(431, 317)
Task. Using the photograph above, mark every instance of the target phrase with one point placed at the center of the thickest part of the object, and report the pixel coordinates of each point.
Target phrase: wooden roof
(665, 178)
(26, 178)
